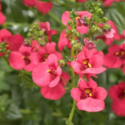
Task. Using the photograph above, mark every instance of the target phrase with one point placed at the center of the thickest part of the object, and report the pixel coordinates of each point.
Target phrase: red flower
(57, 91)
(43, 7)
(23, 59)
(30, 3)
(4, 35)
(49, 48)
(115, 56)
(45, 27)
(88, 62)
(2, 17)
(82, 26)
(89, 44)
(13, 43)
(107, 2)
(89, 97)
(63, 41)
(110, 35)
(47, 73)
(117, 94)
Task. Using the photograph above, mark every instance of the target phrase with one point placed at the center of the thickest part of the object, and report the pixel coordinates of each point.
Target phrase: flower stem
(72, 112)
(73, 85)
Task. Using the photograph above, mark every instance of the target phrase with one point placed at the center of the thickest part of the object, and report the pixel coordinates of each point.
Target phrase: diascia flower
(47, 73)
(12, 42)
(49, 48)
(23, 59)
(88, 62)
(43, 7)
(82, 26)
(109, 2)
(89, 97)
(110, 35)
(4, 35)
(57, 91)
(45, 27)
(117, 94)
(63, 41)
(30, 3)
(2, 17)
(115, 57)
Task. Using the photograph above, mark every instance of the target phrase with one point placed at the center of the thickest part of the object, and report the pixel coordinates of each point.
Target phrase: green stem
(73, 85)
(72, 112)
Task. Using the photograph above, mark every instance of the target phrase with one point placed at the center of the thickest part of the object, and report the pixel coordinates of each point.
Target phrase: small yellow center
(65, 35)
(7, 45)
(90, 66)
(48, 70)
(88, 92)
(78, 17)
(122, 52)
(117, 53)
(23, 57)
(85, 62)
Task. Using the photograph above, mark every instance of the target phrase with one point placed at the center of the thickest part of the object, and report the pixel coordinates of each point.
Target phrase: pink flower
(43, 7)
(110, 35)
(63, 41)
(49, 48)
(30, 3)
(2, 17)
(107, 2)
(88, 62)
(89, 97)
(115, 56)
(116, 33)
(4, 34)
(25, 59)
(82, 26)
(45, 27)
(89, 44)
(57, 91)
(117, 94)
(47, 73)
(13, 43)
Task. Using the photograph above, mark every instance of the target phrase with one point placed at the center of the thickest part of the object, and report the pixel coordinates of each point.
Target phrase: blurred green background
(20, 100)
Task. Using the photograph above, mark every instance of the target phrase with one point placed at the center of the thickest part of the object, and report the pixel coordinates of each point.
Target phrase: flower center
(122, 94)
(121, 54)
(26, 58)
(48, 70)
(87, 64)
(88, 92)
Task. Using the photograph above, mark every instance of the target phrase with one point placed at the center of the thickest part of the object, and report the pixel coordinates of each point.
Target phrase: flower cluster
(117, 93)
(37, 54)
(43, 7)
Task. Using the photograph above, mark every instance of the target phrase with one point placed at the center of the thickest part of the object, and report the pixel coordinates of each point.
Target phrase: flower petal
(54, 93)
(91, 105)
